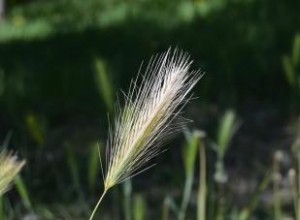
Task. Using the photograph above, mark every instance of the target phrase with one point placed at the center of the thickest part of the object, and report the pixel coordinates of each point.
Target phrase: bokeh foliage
(48, 48)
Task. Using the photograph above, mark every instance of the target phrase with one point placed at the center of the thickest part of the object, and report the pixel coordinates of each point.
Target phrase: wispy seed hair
(146, 120)
(9, 169)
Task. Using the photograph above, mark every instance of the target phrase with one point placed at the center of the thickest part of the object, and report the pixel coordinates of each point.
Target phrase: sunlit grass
(147, 118)
(9, 169)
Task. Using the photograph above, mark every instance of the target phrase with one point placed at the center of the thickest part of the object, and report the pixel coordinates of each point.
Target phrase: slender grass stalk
(97, 205)
(292, 176)
(277, 201)
(186, 196)
(227, 128)
(190, 154)
(127, 190)
(298, 189)
(295, 182)
(254, 202)
(166, 209)
(23, 192)
(147, 118)
(93, 168)
(201, 209)
(276, 185)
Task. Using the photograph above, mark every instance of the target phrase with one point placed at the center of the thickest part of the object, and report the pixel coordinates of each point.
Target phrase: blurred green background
(63, 63)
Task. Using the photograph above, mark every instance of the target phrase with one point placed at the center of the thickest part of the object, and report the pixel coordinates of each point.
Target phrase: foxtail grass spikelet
(9, 169)
(147, 118)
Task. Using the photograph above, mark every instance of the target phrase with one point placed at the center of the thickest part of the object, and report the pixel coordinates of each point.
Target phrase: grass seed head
(148, 115)
(9, 169)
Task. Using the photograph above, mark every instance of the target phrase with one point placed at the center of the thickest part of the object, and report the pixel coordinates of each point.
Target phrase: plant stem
(165, 211)
(186, 196)
(298, 190)
(247, 211)
(202, 187)
(127, 190)
(276, 189)
(97, 205)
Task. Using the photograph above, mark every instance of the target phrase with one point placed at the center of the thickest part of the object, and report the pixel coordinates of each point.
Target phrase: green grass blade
(246, 212)
(23, 192)
(227, 128)
(139, 208)
(190, 153)
(36, 129)
(189, 158)
(104, 84)
(289, 71)
(202, 191)
(127, 190)
(296, 51)
(93, 167)
(73, 165)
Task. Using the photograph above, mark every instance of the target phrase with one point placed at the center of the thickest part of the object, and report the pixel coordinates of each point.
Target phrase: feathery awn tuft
(9, 169)
(147, 118)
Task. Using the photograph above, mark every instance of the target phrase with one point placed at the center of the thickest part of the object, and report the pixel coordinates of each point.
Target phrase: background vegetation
(63, 62)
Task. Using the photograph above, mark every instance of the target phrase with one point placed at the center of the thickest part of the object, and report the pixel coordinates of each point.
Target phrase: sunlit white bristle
(147, 118)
